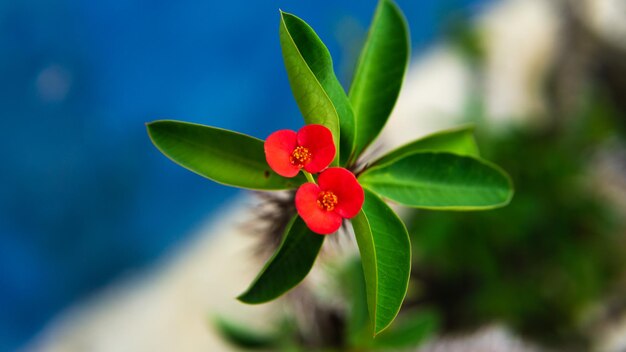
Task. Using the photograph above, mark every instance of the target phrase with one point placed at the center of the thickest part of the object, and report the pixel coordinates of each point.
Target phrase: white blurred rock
(489, 339)
(521, 39)
(607, 18)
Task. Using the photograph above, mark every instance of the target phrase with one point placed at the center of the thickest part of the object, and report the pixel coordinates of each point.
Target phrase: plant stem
(308, 176)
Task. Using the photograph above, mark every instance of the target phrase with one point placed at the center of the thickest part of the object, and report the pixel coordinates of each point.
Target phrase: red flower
(311, 149)
(337, 195)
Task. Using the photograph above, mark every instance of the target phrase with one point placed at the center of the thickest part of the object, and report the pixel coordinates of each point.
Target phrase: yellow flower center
(327, 200)
(300, 156)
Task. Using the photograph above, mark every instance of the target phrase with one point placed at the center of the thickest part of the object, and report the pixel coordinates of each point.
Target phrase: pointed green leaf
(320, 96)
(352, 281)
(386, 257)
(443, 181)
(227, 157)
(246, 337)
(456, 141)
(410, 330)
(379, 73)
(288, 266)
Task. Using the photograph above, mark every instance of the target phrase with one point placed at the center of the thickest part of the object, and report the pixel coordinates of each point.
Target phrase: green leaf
(352, 280)
(444, 181)
(246, 337)
(456, 141)
(227, 157)
(386, 257)
(379, 73)
(320, 96)
(410, 330)
(288, 266)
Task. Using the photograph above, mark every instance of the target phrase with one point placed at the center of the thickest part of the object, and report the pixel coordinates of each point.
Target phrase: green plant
(442, 171)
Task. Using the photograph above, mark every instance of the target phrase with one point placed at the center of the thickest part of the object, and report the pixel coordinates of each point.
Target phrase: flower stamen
(327, 200)
(300, 156)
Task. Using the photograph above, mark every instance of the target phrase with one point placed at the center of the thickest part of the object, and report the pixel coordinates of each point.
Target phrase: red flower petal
(318, 220)
(345, 186)
(278, 148)
(319, 141)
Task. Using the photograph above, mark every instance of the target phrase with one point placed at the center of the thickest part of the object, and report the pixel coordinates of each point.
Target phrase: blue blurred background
(85, 197)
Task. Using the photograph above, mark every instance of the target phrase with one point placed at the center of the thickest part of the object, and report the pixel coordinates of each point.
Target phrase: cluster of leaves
(442, 171)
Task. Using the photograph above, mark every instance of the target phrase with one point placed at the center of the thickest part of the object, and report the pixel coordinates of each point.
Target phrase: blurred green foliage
(540, 262)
